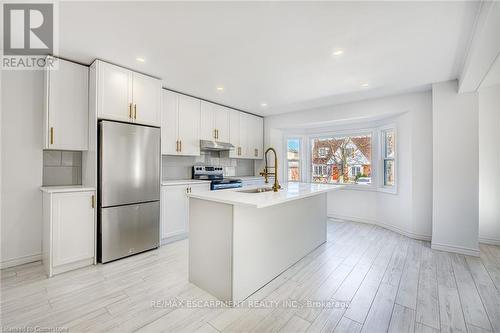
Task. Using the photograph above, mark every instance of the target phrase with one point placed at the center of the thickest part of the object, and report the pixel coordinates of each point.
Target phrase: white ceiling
(279, 53)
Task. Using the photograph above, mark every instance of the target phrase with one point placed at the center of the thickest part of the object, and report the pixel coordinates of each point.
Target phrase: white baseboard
(490, 241)
(455, 249)
(20, 261)
(351, 218)
(381, 224)
(172, 239)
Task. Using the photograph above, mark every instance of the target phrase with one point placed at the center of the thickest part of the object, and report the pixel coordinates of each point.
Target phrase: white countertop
(70, 188)
(289, 192)
(183, 182)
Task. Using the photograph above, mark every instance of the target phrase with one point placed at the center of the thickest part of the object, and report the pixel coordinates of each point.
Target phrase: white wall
(410, 210)
(489, 164)
(455, 169)
(21, 221)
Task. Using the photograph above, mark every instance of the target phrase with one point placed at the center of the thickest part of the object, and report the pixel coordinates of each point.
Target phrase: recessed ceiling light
(220, 88)
(365, 85)
(338, 52)
(140, 59)
(263, 105)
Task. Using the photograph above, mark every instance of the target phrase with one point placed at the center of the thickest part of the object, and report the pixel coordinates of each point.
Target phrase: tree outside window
(342, 159)
(293, 160)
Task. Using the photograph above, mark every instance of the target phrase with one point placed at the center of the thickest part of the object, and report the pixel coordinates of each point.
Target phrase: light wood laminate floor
(389, 282)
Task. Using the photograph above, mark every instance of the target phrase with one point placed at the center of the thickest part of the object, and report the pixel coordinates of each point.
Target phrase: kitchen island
(239, 240)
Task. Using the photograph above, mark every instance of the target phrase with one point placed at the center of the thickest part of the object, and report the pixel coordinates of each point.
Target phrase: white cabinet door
(73, 230)
(146, 99)
(257, 137)
(196, 188)
(66, 109)
(245, 135)
(189, 125)
(207, 121)
(222, 123)
(174, 208)
(169, 122)
(234, 133)
(114, 92)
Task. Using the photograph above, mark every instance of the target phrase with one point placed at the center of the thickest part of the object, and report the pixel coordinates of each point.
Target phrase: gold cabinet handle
(135, 111)
(177, 145)
(130, 110)
(52, 135)
(180, 145)
(215, 133)
(93, 201)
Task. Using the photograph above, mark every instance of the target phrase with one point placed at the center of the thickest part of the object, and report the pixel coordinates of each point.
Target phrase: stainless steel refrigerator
(129, 189)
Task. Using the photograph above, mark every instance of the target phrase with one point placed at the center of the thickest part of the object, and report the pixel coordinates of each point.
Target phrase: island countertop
(288, 192)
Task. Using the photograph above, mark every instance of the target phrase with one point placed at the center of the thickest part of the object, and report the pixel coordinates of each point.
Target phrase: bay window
(345, 159)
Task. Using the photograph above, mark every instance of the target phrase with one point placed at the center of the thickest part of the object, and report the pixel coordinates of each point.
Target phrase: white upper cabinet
(207, 129)
(234, 133)
(169, 122)
(66, 113)
(146, 97)
(246, 134)
(257, 137)
(214, 122)
(222, 123)
(180, 124)
(128, 96)
(114, 92)
(189, 125)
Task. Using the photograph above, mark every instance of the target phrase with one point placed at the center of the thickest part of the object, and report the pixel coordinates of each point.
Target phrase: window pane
(293, 159)
(389, 172)
(342, 160)
(389, 144)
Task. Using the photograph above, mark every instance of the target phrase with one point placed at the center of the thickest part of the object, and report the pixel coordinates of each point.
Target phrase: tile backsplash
(62, 168)
(179, 167)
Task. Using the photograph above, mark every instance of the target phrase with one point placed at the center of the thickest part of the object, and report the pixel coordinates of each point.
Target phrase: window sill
(388, 190)
(358, 187)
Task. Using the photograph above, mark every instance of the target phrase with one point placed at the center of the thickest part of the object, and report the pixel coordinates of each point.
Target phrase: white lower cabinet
(175, 209)
(69, 230)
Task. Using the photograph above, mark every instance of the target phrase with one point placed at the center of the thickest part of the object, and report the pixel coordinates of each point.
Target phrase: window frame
(392, 189)
(342, 133)
(301, 158)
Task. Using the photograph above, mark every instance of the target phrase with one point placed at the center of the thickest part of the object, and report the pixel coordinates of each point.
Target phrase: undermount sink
(257, 190)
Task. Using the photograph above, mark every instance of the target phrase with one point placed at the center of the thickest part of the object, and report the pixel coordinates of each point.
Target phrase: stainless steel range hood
(215, 145)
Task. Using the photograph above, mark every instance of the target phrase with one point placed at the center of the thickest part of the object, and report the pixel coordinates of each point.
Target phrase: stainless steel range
(216, 177)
